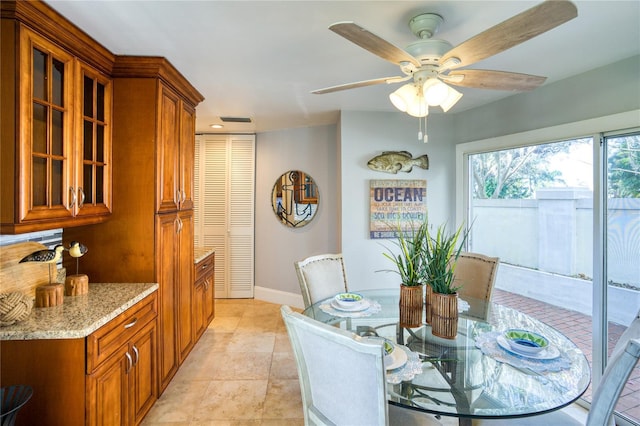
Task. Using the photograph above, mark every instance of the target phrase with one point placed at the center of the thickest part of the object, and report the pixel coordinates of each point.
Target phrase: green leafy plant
(441, 252)
(410, 260)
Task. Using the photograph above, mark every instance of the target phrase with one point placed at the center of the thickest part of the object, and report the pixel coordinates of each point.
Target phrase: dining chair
(623, 360)
(475, 273)
(342, 376)
(320, 277)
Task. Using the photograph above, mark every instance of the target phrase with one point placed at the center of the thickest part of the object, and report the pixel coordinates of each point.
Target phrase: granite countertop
(81, 315)
(200, 253)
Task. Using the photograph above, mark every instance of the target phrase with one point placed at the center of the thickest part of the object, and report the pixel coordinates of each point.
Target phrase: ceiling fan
(430, 62)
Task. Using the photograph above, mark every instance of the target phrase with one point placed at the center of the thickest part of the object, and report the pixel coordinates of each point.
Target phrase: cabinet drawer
(204, 267)
(117, 332)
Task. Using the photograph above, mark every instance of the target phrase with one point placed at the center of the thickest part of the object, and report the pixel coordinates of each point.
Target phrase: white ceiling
(261, 59)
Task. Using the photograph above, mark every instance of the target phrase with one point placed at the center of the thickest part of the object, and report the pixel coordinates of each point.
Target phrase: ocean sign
(396, 202)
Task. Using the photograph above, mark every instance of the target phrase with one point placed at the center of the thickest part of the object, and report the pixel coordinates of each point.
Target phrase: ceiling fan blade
(371, 42)
(363, 83)
(513, 31)
(497, 80)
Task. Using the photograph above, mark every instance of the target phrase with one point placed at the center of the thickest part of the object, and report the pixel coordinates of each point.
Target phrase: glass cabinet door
(46, 153)
(93, 168)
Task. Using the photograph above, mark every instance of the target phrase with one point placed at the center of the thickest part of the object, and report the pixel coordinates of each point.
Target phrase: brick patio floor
(578, 328)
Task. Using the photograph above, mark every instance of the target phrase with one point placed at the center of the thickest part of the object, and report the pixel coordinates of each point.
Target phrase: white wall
(363, 136)
(312, 150)
(336, 157)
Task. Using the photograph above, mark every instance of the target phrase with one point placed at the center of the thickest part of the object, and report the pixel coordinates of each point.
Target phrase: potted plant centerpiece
(408, 259)
(441, 252)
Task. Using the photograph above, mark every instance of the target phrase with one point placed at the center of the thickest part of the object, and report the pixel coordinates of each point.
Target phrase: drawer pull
(132, 323)
(129, 362)
(135, 351)
(205, 266)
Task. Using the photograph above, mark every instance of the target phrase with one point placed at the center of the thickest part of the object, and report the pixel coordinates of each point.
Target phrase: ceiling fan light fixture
(453, 96)
(404, 97)
(435, 91)
(418, 109)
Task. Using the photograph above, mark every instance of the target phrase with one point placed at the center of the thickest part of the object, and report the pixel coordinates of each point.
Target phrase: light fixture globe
(418, 108)
(453, 96)
(435, 91)
(404, 97)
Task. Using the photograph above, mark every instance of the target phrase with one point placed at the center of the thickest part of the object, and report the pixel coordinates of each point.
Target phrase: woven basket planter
(444, 315)
(411, 303)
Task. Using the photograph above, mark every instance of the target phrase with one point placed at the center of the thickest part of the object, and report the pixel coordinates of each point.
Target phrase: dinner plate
(396, 359)
(551, 352)
(348, 299)
(357, 307)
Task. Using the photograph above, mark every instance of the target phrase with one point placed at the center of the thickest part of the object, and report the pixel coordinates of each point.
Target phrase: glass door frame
(596, 128)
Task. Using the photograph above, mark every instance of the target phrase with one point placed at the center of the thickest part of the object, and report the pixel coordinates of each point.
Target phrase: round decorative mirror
(295, 198)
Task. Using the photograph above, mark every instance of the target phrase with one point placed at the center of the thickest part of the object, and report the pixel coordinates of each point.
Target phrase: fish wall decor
(395, 161)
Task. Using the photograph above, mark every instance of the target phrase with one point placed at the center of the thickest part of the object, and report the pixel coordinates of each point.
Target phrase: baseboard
(279, 297)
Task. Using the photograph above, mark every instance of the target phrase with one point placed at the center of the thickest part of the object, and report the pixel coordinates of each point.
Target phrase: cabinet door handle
(184, 196)
(73, 197)
(137, 353)
(129, 362)
(81, 196)
(132, 323)
(206, 284)
(176, 196)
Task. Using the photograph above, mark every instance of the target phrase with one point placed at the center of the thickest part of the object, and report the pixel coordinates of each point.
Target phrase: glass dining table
(474, 375)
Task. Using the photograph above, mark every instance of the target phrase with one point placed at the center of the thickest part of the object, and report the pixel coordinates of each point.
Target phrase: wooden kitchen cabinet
(175, 246)
(121, 367)
(123, 388)
(176, 142)
(56, 127)
(149, 237)
(93, 135)
(186, 332)
(204, 296)
(106, 378)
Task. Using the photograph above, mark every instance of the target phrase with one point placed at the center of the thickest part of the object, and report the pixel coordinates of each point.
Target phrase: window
(533, 206)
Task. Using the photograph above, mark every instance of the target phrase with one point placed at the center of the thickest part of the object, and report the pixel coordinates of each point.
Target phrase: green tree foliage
(517, 172)
(623, 167)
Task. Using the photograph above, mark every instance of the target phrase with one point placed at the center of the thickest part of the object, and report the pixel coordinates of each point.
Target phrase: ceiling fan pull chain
(422, 136)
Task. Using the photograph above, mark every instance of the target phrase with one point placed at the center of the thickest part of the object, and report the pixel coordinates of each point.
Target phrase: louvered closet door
(224, 195)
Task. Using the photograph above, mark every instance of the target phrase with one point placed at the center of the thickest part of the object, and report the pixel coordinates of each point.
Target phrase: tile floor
(241, 372)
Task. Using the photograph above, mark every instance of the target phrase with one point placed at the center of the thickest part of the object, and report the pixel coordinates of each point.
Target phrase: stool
(13, 398)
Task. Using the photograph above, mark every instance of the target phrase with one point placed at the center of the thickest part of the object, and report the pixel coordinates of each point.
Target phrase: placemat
(489, 346)
(374, 308)
(409, 370)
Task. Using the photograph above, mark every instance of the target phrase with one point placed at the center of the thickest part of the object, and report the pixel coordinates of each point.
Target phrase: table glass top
(473, 375)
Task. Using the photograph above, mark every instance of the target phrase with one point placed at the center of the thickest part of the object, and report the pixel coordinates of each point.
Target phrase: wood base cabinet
(123, 389)
(121, 367)
(106, 378)
(204, 294)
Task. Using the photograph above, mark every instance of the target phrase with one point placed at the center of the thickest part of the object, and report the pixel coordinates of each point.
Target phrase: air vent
(236, 119)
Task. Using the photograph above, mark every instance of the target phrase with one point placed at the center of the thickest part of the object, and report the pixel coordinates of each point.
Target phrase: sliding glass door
(533, 206)
(622, 260)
